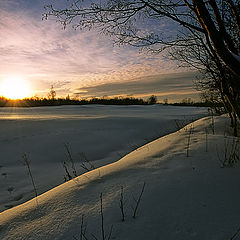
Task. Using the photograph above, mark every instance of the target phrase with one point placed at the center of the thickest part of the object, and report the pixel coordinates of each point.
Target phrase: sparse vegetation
(70, 158)
(67, 176)
(121, 204)
(206, 138)
(138, 200)
(83, 230)
(27, 164)
(235, 234)
(212, 125)
(190, 131)
(231, 152)
(86, 164)
(103, 235)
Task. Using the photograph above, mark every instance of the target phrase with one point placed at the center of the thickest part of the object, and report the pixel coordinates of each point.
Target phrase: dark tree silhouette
(52, 94)
(152, 99)
(215, 80)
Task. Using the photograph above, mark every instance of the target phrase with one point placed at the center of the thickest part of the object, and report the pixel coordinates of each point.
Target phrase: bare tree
(216, 81)
(216, 77)
(52, 94)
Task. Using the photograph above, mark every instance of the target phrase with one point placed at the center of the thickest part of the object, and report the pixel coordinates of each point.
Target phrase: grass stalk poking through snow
(84, 227)
(189, 139)
(121, 205)
(27, 163)
(103, 236)
(83, 230)
(138, 201)
(74, 171)
(231, 153)
(102, 218)
(235, 234)
(206, 137)
(86, 164)
(68, 176)
(212, 125)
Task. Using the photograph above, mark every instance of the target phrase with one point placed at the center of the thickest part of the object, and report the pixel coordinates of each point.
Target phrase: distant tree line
(217, 107)
(52, 101)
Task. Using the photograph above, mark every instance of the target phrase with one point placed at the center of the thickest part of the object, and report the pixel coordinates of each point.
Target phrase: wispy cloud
(175, 86)
(46, 54)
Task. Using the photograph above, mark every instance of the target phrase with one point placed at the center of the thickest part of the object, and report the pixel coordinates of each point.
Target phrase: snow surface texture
(103, 133)
(185, 198)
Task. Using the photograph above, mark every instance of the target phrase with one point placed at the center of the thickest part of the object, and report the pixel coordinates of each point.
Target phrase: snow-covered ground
(188, 194)
(103, 134)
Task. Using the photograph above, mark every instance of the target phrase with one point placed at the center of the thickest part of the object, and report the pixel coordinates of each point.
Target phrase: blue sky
(80, 62)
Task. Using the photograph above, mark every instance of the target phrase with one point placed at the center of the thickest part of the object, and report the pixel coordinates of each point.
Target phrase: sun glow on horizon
(14, 87)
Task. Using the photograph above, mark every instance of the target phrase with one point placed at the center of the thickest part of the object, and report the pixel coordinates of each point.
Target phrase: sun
(14, 87)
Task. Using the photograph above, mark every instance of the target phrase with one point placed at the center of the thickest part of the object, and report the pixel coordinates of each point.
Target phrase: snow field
(103, 134)
(185, 197)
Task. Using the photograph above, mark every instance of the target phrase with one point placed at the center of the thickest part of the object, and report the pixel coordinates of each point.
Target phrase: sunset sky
(80, 63)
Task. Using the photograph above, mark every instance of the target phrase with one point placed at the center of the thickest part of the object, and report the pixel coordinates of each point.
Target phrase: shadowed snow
(185, 197)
